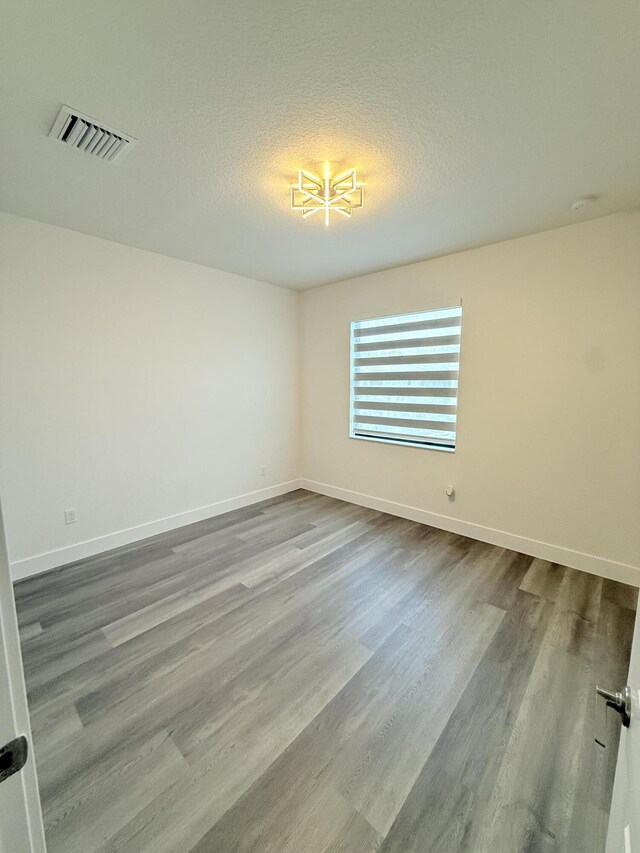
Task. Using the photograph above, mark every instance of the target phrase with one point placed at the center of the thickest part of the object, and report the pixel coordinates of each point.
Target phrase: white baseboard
(621, 572)
(61, 556)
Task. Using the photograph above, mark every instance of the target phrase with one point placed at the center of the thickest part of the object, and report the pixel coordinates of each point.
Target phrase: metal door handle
(13, 757)
(620, 702)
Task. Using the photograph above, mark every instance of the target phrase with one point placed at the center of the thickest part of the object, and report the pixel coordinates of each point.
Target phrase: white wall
(146, 392)
(134, 387)
(549, 407)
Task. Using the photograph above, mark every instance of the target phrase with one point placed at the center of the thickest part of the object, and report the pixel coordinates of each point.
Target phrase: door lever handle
(620, 702)
(13, 757)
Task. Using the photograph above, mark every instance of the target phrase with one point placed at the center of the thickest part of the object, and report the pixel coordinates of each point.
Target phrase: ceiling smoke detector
(583, 201)
(86, 134)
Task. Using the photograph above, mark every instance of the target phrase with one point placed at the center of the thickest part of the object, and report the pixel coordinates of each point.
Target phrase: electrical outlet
(263, 470)
(70, 516)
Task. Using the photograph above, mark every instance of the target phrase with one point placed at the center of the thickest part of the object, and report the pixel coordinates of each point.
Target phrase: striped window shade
(404, 378)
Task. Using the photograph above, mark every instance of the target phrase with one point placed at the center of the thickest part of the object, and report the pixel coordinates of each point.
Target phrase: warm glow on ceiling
(341, 193)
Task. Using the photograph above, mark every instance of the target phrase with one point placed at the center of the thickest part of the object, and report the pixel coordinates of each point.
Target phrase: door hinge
(13, 757)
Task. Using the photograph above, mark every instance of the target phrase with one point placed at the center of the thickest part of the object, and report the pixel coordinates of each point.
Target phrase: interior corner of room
(156, 392)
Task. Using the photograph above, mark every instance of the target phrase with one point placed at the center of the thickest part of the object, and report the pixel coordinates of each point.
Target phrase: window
(404, 378)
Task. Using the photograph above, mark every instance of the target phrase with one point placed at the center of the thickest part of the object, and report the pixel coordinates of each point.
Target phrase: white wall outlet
(70, 516)
(263, 470)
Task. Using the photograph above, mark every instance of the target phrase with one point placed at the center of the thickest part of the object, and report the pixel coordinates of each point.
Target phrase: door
(624, 821)
(21, 829)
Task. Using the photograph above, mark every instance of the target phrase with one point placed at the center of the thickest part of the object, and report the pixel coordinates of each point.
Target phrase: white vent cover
(87, 134)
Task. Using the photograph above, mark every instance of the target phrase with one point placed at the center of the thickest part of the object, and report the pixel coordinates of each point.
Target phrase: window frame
(415, 445)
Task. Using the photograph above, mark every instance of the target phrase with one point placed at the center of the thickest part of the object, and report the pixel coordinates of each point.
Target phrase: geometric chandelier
(341, 193)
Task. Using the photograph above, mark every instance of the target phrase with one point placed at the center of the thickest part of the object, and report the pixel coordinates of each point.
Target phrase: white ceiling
(470, 122)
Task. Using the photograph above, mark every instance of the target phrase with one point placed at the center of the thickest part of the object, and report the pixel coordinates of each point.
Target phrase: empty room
(319, 427)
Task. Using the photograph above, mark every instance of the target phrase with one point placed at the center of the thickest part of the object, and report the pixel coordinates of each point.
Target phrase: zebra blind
(404, 378)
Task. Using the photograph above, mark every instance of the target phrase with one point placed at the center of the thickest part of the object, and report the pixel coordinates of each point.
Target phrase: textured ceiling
(470, 122)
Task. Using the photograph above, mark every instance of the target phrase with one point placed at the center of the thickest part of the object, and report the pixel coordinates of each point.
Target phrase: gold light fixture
(341, 193)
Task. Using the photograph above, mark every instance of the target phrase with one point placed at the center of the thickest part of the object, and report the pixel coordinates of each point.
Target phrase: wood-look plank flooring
(309, 676)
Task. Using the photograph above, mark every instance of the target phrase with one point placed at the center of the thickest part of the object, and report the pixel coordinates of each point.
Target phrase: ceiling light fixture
(341, 193)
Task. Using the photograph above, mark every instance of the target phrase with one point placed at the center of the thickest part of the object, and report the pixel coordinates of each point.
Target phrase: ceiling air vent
(87, 134)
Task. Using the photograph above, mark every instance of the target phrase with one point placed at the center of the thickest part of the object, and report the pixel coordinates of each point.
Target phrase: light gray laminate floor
(308, 676)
